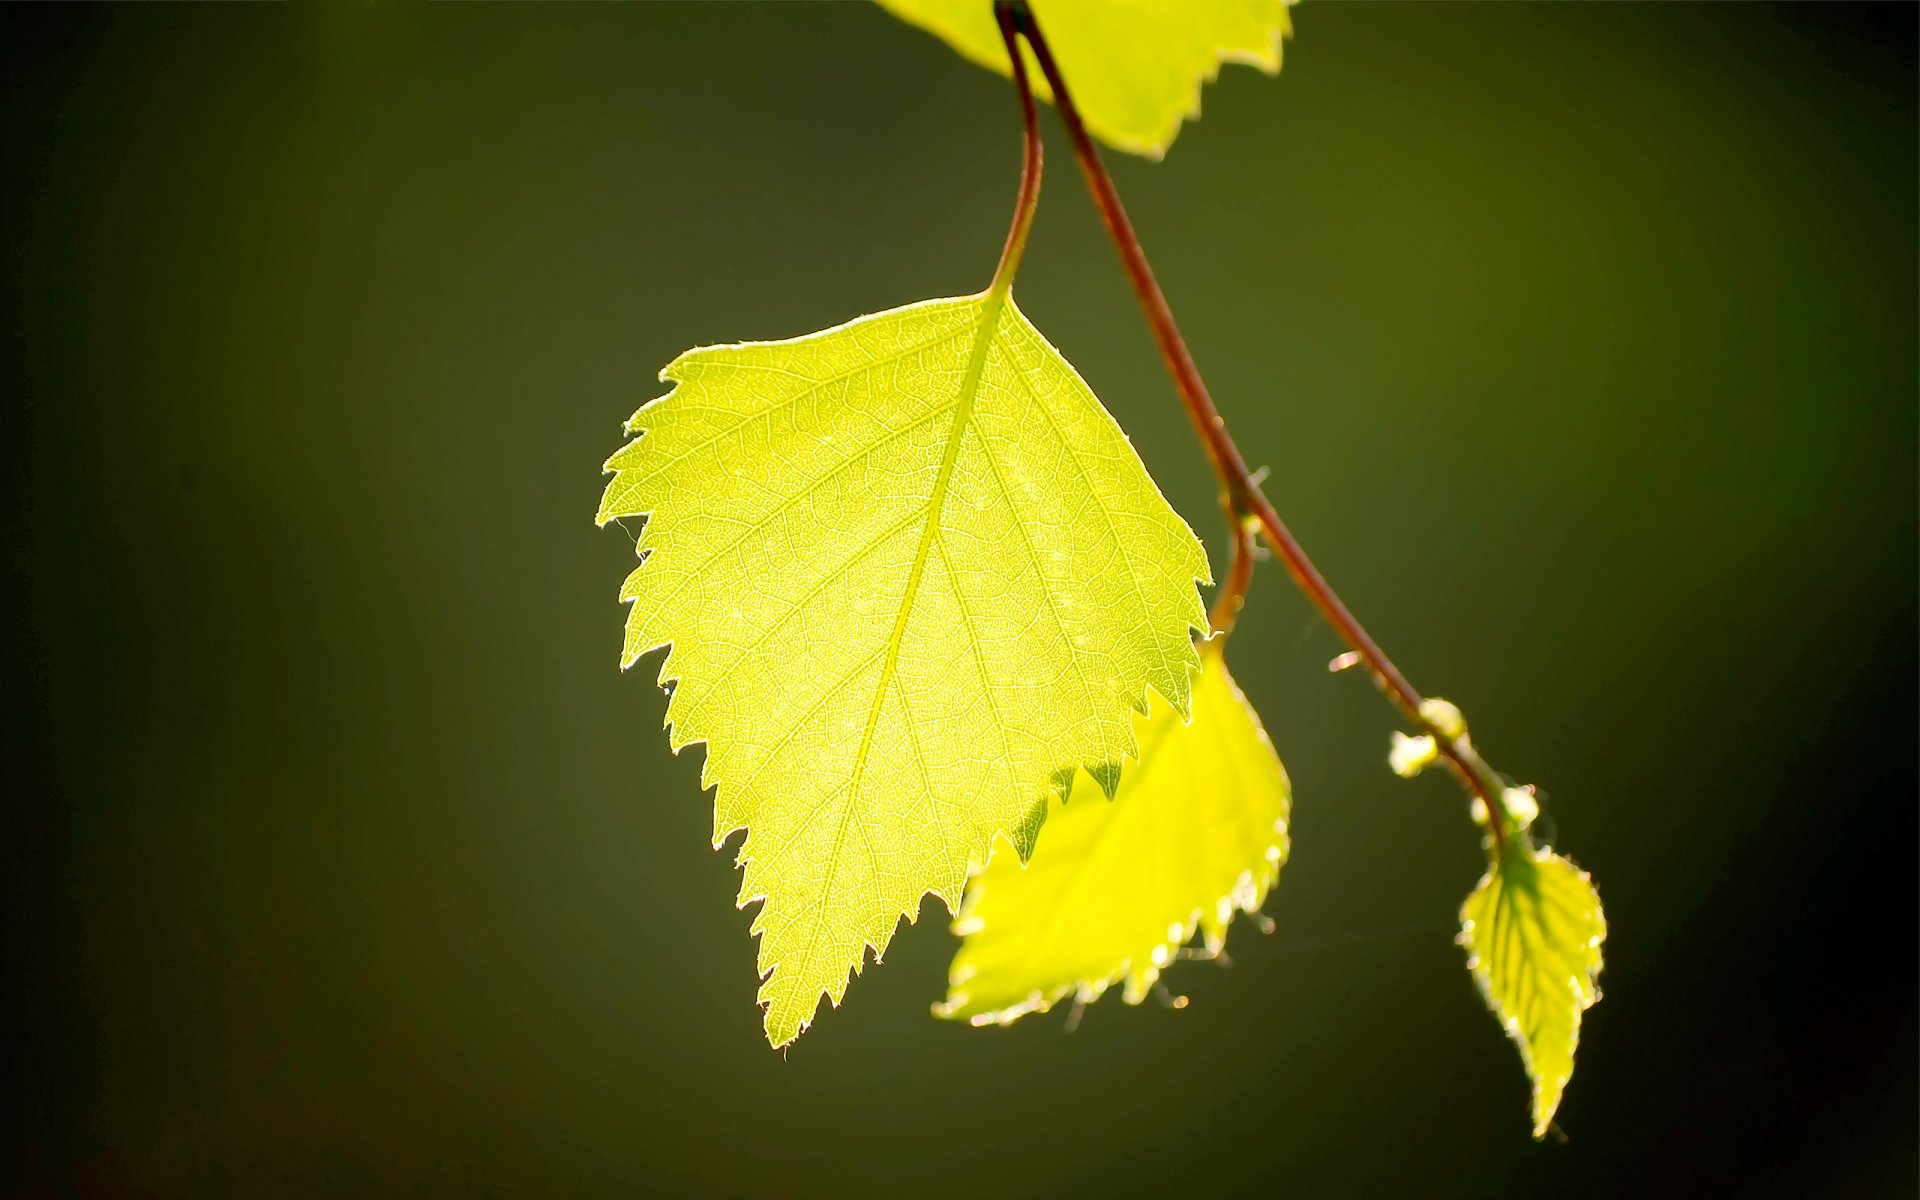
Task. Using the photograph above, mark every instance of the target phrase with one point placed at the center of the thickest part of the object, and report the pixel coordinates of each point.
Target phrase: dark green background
(1580, 342)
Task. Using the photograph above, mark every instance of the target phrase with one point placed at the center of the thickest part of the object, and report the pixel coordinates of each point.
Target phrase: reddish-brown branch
(1243, 496)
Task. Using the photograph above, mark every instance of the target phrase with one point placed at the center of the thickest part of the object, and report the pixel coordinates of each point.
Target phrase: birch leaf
(1533, 930)
(912, 575)
(1196, 833)
(1135, 67)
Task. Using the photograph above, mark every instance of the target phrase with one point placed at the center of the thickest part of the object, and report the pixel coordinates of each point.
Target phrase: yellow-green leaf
(1134, 67)
(1533, 930)
(912, 575)
(1196, 833)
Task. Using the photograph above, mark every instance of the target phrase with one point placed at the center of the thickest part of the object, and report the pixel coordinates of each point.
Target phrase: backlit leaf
(1533, 930)
(912, 575)
(1134, 67)
(1196, 833)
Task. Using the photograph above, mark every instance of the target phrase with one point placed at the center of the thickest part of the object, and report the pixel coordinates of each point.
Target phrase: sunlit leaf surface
(1533, 930)
(912, 575)
(1196, 833)
(1134, 67)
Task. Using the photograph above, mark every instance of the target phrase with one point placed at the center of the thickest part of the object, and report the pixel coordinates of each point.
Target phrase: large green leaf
(1196, 833)
(1134, 67)
(1533, 929)
(912, 575)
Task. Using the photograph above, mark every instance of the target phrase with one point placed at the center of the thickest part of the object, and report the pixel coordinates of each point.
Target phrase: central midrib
(995, 304)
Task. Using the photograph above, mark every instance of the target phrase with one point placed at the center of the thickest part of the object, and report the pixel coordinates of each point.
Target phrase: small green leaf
(1134, 67)
(910, 571)
(1196, 833)
(1533, 930)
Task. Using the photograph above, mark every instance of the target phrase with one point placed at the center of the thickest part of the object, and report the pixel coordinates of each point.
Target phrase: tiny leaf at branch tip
(1521, 804)
(1135, 67)
(1412, 755)
(1115, 889)
(1533, 930)
(1444, 718)
(909, 571)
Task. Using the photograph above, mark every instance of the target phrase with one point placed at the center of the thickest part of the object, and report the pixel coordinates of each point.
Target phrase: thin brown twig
(1242, 495)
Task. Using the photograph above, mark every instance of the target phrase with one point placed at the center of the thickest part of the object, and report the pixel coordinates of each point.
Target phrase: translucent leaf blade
(1135, 67)
(910, 571)
(1533, 929)
(1196, 833)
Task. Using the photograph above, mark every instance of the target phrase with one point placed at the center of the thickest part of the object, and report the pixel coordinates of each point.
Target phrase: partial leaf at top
(1134, 67)
(1196, 833)
(1533, 929)
(912, 574)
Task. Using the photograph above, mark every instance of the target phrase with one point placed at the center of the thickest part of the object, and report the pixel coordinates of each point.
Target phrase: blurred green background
(1580, 342)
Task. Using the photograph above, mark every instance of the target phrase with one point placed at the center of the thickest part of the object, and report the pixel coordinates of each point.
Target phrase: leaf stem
(1241, 495)
(1030, 163)
(1233, 589)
